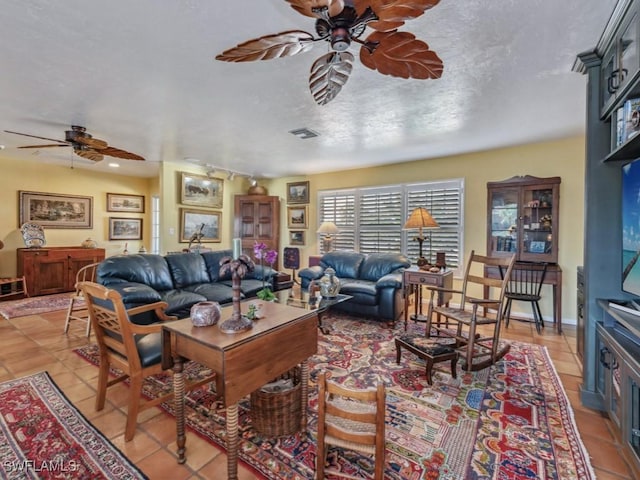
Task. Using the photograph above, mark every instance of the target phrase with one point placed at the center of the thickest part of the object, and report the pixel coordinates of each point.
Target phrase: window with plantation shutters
(372, 219)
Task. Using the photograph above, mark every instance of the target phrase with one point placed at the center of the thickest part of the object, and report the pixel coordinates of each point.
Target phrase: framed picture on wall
(125, 228)
(297, 217)
(117, 202)
(298, 192)
(53, 210)
(296, 237)
(200, 222)
(200, 190)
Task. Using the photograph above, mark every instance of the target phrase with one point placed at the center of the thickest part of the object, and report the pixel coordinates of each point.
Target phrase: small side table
(412, 281)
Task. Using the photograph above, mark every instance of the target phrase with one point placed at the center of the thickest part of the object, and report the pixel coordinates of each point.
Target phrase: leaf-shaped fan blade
(284, 44)
(393, 13)
(399, 54)
(305, 6)
(88, 154)
(89, 141)
(116, 152)
(328, 74)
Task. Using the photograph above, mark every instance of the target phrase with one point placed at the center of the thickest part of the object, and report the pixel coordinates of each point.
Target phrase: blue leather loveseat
(374, 281)
(181, 280)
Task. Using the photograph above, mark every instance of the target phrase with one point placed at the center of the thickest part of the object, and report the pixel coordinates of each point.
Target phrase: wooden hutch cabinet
(522, 218)
(53, 270)
(257, 219)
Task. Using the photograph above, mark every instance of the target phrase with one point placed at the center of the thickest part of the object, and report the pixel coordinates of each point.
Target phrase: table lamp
(420, 218)
(329, 230)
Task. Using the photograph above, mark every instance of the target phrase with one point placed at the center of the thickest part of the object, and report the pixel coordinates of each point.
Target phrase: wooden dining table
(243, 362)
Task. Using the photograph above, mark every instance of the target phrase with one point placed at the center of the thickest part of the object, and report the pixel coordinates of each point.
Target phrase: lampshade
(420, 218)
(328, 228)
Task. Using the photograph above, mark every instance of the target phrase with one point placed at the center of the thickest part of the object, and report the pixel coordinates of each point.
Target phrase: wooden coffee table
(243, 362)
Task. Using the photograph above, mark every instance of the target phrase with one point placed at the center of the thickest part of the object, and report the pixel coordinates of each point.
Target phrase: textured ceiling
(142, 76)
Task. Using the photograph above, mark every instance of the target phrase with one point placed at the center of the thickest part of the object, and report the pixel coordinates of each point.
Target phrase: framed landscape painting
(125, 228)
(297, 217)
(296, 237)
(199, 221)
(200, 190)
(53, 210)
(298, 192)
(117, 202)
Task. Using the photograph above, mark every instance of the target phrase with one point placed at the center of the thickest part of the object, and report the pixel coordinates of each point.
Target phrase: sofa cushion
(212, 261)
(180, 302)
(187, 269)
(151, 270)
(214, 292)
(346, 264)
(377, 265)
(363, 292)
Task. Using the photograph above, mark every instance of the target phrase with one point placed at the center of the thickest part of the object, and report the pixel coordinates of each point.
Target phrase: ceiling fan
(340, 22)
(83, 145)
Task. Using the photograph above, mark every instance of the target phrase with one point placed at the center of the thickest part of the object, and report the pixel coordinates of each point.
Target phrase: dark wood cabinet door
(257, 219)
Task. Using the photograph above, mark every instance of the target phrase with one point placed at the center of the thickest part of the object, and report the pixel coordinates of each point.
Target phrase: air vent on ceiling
(304, 133)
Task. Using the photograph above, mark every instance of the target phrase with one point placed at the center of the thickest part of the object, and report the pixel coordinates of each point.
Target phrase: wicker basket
(275, 414)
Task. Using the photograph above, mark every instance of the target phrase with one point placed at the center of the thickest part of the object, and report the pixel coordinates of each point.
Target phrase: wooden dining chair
(475, 330)
(136, 350)
(351, 419)
(78, 307)
(525, 285)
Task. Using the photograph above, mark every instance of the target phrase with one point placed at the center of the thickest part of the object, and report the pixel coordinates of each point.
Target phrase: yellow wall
(40, 177)
(563, 158)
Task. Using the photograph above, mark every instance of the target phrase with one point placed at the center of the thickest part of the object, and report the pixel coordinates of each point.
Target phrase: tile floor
(34, 343)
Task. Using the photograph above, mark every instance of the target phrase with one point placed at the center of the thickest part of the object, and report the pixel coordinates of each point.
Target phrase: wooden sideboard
(53, 269)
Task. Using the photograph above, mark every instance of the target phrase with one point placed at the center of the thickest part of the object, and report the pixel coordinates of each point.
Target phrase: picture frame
(54, 210)
(192, 219)
(200, 190)
(296, 237)
(120, 202)
(537, 247)
(297, 217)
(298, 192)
(125, 228)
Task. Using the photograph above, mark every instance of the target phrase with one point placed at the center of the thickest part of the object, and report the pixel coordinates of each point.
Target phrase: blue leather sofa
(181, 280)
(374, 281)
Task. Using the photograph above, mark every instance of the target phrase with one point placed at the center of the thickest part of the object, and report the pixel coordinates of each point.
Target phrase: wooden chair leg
(135, 393)
(69, 310)
(103, 377)
(454, 367)
(429, 368)
(379, 472)
(398, 354)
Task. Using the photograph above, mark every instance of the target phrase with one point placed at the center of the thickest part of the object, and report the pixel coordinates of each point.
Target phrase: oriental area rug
(42, 435)
(510, 421)
(35, 305)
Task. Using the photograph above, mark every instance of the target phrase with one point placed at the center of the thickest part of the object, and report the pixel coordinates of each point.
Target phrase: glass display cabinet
(522, 218)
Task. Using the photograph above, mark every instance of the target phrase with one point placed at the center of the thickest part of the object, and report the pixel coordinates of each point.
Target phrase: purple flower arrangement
(261, 252)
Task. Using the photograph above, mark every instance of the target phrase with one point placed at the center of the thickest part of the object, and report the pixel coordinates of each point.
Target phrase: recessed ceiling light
(114, 165)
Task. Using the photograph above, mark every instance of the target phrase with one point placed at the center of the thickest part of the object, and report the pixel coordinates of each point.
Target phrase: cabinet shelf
(627, 151)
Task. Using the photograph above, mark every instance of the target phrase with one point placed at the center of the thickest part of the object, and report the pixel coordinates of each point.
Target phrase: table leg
(178, 398)
(304, 394)
(232, 441)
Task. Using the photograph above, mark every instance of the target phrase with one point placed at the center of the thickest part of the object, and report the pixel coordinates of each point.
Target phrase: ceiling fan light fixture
(340, 39)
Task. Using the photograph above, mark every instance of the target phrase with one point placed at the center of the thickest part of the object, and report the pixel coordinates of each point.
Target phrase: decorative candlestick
(238, 268)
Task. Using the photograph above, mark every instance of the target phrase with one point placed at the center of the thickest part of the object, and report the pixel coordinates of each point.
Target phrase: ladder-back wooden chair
(478, 347)
(78, 307)
(351, 419)
(136, 350)
(525, 285)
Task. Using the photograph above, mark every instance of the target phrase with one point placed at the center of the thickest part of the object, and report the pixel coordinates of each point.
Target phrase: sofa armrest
(158, 308)
(393, 280)
(262, 273)
(311, 273)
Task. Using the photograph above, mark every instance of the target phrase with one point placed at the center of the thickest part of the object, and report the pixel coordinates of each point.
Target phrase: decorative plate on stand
(33, 235)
